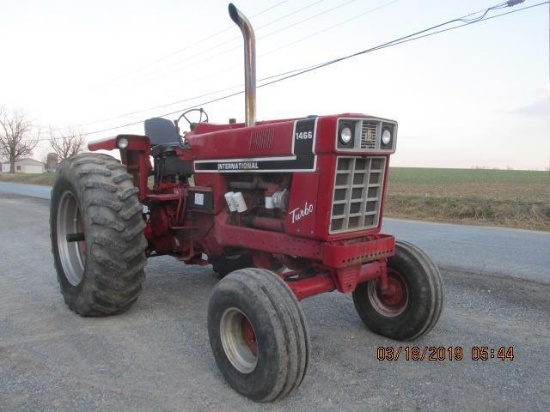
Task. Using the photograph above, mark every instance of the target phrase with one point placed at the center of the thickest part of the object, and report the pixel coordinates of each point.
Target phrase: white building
(25, 166)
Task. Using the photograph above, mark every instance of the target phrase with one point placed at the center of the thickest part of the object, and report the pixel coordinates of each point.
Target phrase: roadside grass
(45, 179)
(511, 198)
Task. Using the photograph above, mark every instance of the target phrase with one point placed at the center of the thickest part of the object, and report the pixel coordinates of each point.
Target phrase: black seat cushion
(161, 131)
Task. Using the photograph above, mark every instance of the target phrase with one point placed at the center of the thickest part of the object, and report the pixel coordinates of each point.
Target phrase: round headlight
(346, 134)
(386, 137)
(122, 143)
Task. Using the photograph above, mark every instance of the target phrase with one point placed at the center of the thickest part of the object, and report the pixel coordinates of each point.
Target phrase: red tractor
(282, 210)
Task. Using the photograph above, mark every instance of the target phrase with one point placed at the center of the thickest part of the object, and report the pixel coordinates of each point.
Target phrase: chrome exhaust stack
(249, 63)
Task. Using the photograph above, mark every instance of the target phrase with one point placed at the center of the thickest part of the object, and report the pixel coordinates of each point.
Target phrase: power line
(414, 36)
(324, 30)
(193, 45)
(405, 39)
(269, 34)
(465, 20)
(192, 61)
(333, 26)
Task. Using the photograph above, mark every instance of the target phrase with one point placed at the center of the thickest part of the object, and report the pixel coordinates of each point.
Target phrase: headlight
(122, 143)
(386, 137)
(346, 134)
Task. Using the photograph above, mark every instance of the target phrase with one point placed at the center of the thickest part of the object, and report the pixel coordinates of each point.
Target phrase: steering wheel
(192, 125)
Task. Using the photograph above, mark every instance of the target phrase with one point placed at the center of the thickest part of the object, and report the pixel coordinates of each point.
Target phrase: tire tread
(115, 229)
(266, 288)
(413, 323)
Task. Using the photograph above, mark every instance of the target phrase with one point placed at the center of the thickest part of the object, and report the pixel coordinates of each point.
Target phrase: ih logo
(299, 213)
(369, 137)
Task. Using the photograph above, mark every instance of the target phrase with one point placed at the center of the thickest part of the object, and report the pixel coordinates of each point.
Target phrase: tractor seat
(161, 131)
(164, 138)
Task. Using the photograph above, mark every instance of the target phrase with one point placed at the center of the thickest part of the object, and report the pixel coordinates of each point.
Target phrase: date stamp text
(444, 353)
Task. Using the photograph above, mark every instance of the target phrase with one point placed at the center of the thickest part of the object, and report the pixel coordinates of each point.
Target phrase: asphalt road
(156, 357)
(481, 250)
(41, 192)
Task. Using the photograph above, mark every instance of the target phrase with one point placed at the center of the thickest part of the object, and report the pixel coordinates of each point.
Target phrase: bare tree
(67, 144)
(15, 140)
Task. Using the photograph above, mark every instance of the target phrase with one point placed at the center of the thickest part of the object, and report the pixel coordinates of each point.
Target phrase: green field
(513, 198)
(450, 176)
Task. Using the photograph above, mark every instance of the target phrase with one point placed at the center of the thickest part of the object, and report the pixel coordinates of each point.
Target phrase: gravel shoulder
(156, 357)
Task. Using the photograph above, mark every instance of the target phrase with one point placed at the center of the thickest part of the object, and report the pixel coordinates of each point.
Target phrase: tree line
(19, 137)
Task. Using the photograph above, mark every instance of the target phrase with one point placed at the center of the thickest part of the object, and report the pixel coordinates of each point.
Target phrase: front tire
(258, 334)
(97, 235)
(412, 305)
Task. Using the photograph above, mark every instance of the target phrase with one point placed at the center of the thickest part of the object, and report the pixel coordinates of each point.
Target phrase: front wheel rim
(394, 300)
(239, 340)
(72, 255)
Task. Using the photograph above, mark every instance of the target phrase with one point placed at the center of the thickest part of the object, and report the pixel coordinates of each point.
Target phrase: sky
(478, 96)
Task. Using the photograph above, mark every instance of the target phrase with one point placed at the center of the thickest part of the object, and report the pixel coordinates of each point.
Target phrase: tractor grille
(357, 196)
(368, 135)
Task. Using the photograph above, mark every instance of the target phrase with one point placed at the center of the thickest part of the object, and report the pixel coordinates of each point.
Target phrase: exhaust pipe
(249, 63)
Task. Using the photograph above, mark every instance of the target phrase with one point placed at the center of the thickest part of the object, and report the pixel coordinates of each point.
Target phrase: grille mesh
(357, 195)
(368, 135)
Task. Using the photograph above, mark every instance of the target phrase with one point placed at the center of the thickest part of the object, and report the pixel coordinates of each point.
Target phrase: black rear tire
(414, 306)
(101, 269)
(258, 334)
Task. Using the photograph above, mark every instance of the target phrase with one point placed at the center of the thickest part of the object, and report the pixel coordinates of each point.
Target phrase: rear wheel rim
(239, 340)
(394, 300)
(71, 254)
